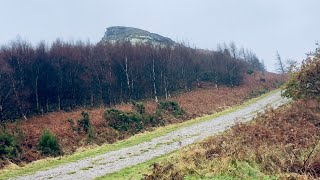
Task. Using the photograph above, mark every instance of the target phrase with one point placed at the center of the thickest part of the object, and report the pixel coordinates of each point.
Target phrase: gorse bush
(48, 144)
(259, 92)
(170, 106)
(305, 82)
(90, 134)
(84, 123)
(131, 121)
(139, 107)
(124, 121)
(9, 147)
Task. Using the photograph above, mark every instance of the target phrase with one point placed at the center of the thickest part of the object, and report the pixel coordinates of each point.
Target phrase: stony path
(113, 161)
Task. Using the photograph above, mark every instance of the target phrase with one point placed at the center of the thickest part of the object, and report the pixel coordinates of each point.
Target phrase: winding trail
(113, 161)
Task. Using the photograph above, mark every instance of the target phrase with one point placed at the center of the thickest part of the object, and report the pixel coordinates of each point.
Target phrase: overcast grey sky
(264, 26)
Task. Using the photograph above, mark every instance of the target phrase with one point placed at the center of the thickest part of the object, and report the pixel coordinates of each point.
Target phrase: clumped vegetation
(84, 123)
(139, 120)
(139, 107)
(305, 82)
(66, 75)
(171, 107)
(49, 144)
(123, 121)
(9, 146)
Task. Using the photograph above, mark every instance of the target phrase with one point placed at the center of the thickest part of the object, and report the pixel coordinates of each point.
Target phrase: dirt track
(113, 161)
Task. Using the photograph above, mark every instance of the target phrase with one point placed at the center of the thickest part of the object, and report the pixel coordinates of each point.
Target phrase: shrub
(90, 134)
(264, 90)
(84, 122)
(48, 144)
(259, 92)
(124, 121)
(153, 121)
(170, 106)
(9, 146)
(139, 107)
(305, 82)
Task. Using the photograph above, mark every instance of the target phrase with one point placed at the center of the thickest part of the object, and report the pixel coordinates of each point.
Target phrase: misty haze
(159, 90)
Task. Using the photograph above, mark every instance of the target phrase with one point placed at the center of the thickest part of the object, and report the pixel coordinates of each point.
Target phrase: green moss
(86, 168)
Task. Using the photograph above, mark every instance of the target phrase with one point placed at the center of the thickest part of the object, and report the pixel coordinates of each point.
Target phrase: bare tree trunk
(59, 102)
(91, 99)
(216, 79)
(121, 99)
(37, 94)
(185, 80)
(127, 76)
(47, 104)
(2, 100)
(280, 64)
(18, 100)
(165, 87)
(131, 88)
(154, 82)
(60, 85)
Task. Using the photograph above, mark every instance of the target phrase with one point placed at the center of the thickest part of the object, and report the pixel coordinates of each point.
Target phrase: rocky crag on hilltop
(134, 35)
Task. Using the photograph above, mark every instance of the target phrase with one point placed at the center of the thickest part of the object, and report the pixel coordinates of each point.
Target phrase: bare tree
(291, 65)
(233, 50)
(64, 75)
(280, 64)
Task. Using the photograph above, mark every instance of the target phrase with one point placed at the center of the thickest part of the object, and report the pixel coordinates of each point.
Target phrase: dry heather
(282, 143)
(203, 100)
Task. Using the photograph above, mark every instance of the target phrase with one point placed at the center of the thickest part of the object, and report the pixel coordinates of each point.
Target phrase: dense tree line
(66, 75)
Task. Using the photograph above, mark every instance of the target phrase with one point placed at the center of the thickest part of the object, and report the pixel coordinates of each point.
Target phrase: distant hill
(134, 35)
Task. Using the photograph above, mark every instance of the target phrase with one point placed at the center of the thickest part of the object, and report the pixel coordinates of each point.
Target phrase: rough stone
(134, 35)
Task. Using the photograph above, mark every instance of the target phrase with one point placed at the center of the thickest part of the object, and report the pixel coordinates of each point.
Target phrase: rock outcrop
(134, 35)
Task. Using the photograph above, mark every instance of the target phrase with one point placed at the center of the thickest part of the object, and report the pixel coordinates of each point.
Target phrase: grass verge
(137, 171)
(49, 163)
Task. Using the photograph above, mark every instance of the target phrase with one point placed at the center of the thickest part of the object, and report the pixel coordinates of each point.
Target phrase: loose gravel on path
(113, 161)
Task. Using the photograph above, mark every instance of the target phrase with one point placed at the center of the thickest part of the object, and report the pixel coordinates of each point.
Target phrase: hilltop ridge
(134, 35)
